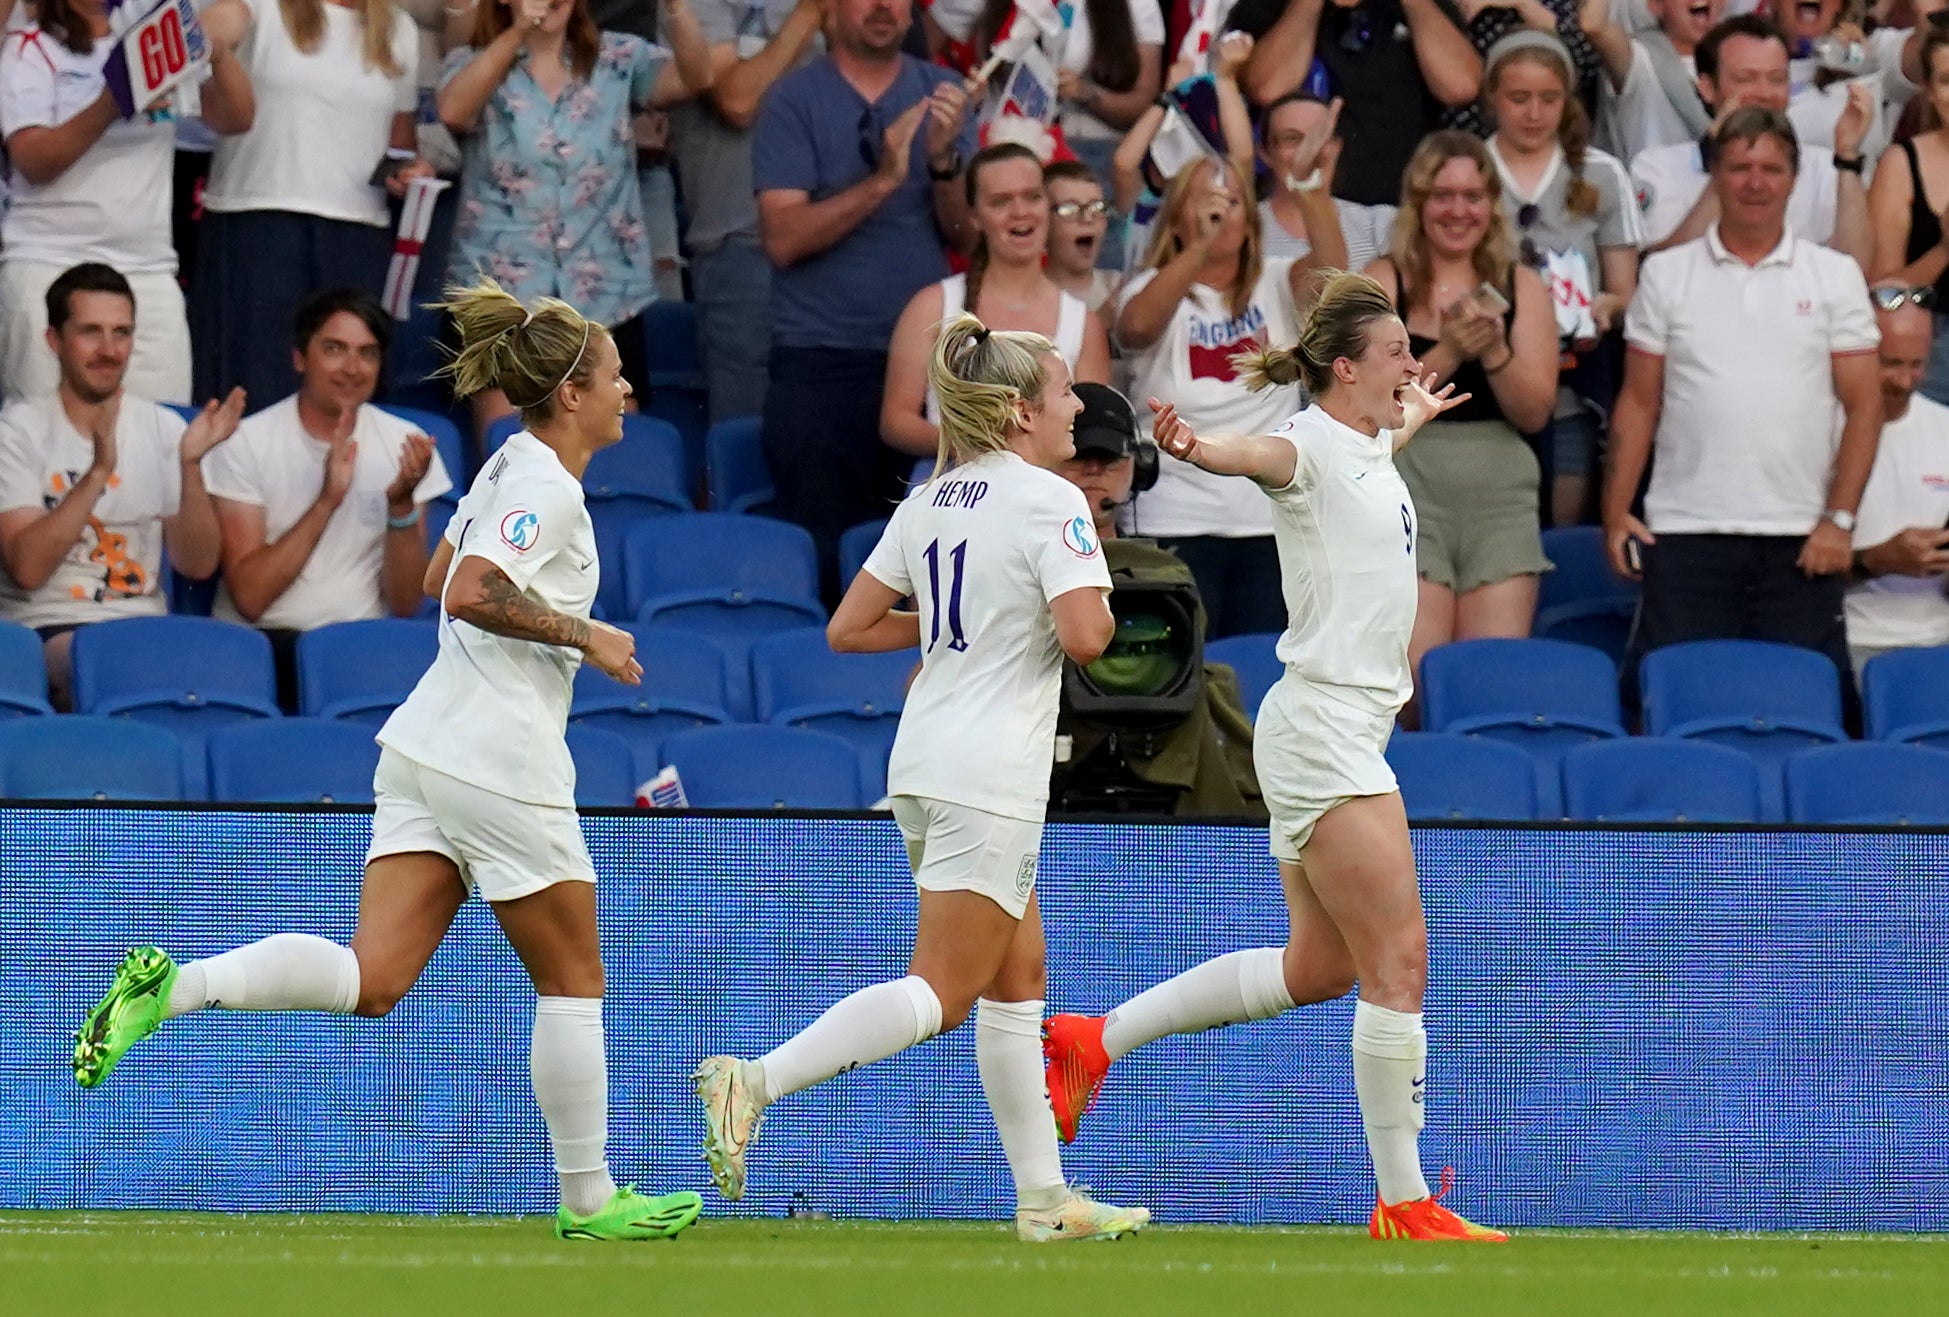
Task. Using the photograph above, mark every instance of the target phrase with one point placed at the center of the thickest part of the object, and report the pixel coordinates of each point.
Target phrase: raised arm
(1283, 57)
(1260, 457)
(1448, 60)
(229, 103)
(691, 70)
(742, 83)
(1613, 43)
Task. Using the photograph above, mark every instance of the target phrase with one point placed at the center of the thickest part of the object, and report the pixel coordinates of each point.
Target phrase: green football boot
(128, 1014)
(630, 1215)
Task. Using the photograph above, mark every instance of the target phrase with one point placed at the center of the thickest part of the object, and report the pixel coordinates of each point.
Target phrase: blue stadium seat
(1905, 693)
(1542, 696)
(756, 766)
(798, 681)
(23, 672)
(417, 356)
(1769, 701)
(1582, 602)
(674, 359)
(727, 575)
(293, 760)
(1869, 782)
(643, 476)
(74, 757)
(1660, 779)
(1461, 777)
(856, 545)
(362, 671)
(684, 687)
(1254, 659)
(447, 442)
(498, 431)
(190, 675)
(605, 767)
(738, 476)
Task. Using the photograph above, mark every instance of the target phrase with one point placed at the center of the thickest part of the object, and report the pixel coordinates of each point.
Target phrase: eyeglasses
(1894, 299)
(1070, 210)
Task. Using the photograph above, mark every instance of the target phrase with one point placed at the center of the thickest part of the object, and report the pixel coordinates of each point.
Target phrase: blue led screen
(1736, 1029)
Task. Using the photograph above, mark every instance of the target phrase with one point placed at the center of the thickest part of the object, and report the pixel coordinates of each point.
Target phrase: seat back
(293, 760)
(1254, 659)
(1905, 695)
(755, 766)
(81, 757)
(738, 476)
(1650, 778)
(719, 556)
(605, 767)
(1869, 782)
(363, 670)
(856, 545)
(1461, 777)
(23, 672)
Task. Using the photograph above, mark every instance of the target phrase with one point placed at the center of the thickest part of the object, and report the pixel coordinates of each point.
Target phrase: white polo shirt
(1670, 179)
(1748, 423)
(492, 710)
(275, 463)
(1909, 486)
(984, 549)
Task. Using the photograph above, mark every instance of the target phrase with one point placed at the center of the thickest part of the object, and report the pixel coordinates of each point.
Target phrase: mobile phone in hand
(1490, 299)
(390, 164)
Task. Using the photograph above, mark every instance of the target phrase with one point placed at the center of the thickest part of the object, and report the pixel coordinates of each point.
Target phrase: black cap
(1107, 425)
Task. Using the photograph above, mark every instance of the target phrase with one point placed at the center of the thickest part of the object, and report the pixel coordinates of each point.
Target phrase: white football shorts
(957, 848)
(1313, 751)
(505, 848)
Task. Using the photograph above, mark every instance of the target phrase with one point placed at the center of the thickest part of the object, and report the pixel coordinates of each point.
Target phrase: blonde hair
(1335, 326)
(1495, 256)
(305, 21)
(978, 376)
(1165, 243)
(527, 355)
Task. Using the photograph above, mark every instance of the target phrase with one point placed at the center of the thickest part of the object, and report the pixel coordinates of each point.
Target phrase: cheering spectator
(319, 496)
(1908, 201)
(1206, 294)
(1743, 62)
(1901, 540)
(1300, 147)
(1079, 217)
(752, 46)
(1746, 345)
(95, 479)
(1491, 21)
(1004, 287)
(1578, 224)
(1483, 322)
(1651, 77)
(549, 201)
(91, 187)
(1397, 65)
(1831, 56)
(299, 201)
(857, 164)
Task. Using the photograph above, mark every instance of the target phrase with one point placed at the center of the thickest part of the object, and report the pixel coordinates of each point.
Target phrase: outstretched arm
(1272, 462)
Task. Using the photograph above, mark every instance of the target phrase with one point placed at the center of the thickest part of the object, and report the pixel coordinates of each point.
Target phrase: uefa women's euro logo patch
(520, 529)
(1079, 537)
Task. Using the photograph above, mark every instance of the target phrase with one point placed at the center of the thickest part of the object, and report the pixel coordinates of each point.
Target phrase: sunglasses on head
(1894, 299)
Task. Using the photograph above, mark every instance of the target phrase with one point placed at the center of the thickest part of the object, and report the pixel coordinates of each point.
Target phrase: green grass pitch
(363, 1266)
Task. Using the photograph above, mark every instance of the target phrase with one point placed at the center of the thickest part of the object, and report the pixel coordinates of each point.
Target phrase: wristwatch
(1841, 517)
(952, 172)
(1850, 164)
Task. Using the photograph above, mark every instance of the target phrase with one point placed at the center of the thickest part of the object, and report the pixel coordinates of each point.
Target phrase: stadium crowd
(1689, 259)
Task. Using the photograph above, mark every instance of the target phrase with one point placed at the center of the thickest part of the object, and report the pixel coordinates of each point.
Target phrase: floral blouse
(549, 201)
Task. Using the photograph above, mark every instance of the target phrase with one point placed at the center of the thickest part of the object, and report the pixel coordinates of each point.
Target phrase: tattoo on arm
(505, 611)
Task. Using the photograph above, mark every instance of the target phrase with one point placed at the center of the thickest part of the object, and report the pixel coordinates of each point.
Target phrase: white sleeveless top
(1071, 316)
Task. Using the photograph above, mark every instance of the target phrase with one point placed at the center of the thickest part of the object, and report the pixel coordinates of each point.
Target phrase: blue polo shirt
(809, 137)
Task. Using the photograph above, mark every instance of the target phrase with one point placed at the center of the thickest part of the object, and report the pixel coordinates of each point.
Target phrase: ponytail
(527, 355)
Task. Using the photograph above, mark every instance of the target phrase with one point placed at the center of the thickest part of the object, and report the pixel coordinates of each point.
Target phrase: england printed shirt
(1345, 531)
(984, 549)
(492, 710)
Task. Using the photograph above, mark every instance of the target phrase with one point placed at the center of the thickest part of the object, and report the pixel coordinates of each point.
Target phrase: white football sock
(1390, 1068)
(868, 1026)
(571, 1078)
(283, 972)
(1245, 985)
(1008, 1055)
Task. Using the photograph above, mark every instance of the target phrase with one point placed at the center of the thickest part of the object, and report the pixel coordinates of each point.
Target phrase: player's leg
(411, 891)
(1008, 1055)
(1359, 862)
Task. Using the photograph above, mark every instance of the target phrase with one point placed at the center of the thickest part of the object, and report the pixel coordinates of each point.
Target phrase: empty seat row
(1447, 777)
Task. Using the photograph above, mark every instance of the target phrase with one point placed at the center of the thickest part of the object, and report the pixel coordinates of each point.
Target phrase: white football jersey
(1345, 529)
(984, 549)
(492, 710)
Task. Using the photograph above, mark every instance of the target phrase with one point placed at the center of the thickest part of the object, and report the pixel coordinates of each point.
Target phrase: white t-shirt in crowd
(1638, 115)
(1908, 487)
(1670, 179)
(323, 120)
(1190, 365)
(275, 463)
(113, 203)
(1815, 110)
(1073, 51)
(492, 710)
(1345, 532)
(115, 568)
(984, 549)
(1275, 240)
(1747, 429)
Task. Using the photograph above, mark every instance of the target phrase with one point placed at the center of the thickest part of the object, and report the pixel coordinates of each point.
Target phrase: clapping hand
(343, 457)
(415, 456)
(214, 424)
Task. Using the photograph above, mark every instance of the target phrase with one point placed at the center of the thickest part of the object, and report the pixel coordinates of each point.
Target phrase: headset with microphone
(1107, 425)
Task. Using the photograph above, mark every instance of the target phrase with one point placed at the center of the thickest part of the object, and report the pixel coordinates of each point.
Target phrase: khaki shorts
(1474, 487)
(1314, 751)
(957, 848)
(505, 848)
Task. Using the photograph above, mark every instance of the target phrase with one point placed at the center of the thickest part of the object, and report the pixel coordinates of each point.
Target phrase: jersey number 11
(957, 564)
